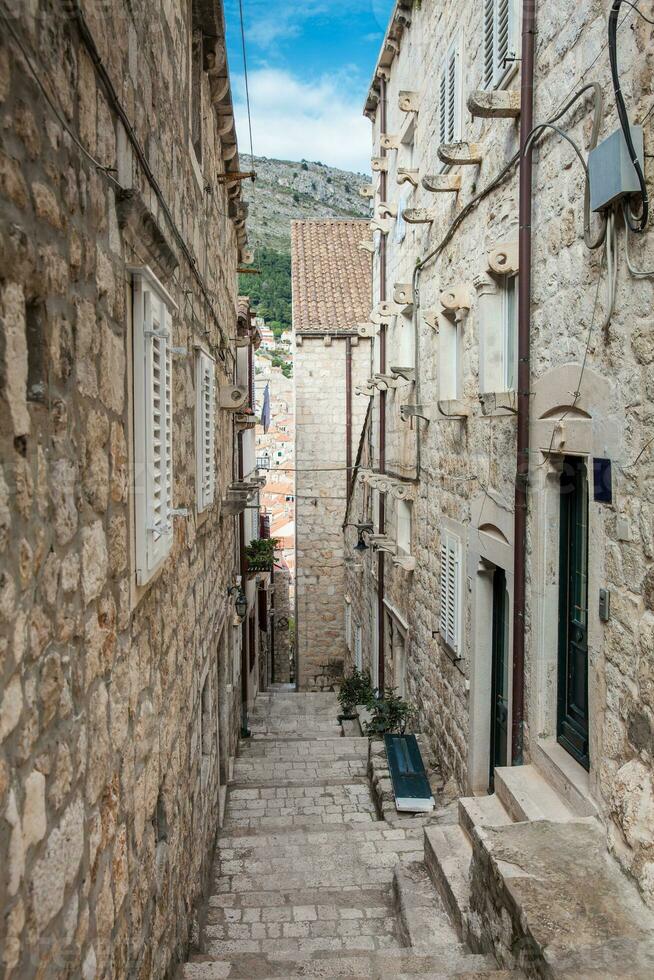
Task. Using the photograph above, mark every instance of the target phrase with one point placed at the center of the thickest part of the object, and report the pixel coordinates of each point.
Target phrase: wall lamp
(241, 602)
(361, 528)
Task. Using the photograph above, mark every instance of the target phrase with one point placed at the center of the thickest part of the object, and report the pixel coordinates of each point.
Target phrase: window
(498, 326)
(153, 436)
(348, 625)
(500, 36)
(358, 656)
(450, 617)
(449, 360)
(205, 421)
(205, 718)
(449, 127)
(404, 527)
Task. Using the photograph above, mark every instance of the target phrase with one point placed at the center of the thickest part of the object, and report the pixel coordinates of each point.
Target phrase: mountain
(284, 191)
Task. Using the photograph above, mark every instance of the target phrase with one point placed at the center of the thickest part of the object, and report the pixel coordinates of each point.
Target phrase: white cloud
(295, 120)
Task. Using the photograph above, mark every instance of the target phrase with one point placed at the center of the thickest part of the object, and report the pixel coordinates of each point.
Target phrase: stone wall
(321, 490)
(466, 466)
(281, 670)
(111, 704)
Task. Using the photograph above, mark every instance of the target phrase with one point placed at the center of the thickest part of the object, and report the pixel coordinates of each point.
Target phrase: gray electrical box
(612, 174)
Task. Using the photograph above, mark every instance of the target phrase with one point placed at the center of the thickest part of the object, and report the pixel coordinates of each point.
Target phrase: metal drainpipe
(524, 330)
(383, 183)
(348, 413)
(244, 635)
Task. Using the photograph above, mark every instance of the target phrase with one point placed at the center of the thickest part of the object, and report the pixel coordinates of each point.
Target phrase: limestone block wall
(111, 696)
(466, 466)
(321, 490)
(281, 671)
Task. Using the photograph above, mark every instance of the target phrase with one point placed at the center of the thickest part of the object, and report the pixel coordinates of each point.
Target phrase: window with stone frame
(450, 581)
(450, 355)
(153, 423)
(500, 41)
(450, 90)
(498, 340)
(403, 526)
(205, 430)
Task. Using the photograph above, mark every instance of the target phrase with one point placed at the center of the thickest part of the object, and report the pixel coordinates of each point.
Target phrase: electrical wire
(635, 222)
(638, 11)
(636, 273)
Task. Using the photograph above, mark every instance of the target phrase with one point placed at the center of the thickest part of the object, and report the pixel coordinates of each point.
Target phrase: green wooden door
(572, 728)
(499, 733)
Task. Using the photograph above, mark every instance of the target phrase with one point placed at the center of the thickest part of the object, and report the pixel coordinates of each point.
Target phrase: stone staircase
(307, 881)
(526, 872)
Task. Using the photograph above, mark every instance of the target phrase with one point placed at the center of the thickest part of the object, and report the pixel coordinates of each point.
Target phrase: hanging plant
(260, 554)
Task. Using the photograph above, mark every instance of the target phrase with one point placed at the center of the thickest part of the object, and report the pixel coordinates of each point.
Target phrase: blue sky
(309, 67)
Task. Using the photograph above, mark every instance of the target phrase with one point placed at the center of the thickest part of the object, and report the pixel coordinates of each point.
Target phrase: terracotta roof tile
(332, 276)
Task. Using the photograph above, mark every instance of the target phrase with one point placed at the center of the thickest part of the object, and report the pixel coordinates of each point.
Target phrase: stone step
(560, 902)
(302, 749)
(482, 811)
(448, 854)
(527, 795)
(568, 778)
(423, 920)
(447, 961)
(282, 773)
(289, 841)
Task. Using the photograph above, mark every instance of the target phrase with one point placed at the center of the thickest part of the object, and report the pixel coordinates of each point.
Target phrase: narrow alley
(308, 882)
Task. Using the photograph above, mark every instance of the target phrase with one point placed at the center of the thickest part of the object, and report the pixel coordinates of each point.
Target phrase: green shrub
(260, 553)
(356, 689)
(391, 714)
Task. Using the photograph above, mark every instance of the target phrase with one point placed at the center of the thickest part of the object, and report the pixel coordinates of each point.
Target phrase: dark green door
(573, 611)
(500, 676)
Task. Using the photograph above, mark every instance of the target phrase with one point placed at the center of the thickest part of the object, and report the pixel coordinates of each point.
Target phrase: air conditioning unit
(233, 397)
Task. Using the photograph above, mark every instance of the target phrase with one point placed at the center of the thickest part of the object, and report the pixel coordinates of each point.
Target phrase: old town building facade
(127, 480)
(435, 602)
(331, 297)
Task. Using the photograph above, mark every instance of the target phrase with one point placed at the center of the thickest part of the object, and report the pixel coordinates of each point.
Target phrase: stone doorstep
(527, 795)
(446, 961)
(569, 779)
(553, 892)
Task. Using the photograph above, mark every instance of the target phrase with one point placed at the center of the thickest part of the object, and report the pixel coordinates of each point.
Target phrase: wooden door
(499, 735)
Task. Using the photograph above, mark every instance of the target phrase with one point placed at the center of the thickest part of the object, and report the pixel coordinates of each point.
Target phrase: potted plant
(391, 714)
(355, 689)
(260, 554)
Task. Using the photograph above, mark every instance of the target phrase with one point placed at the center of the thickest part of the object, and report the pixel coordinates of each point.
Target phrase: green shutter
(410, 784)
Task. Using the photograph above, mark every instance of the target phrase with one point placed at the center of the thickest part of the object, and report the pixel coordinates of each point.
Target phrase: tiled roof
(332, 276)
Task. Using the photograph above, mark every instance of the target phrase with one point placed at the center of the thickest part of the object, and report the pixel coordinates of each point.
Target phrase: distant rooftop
(332, 276)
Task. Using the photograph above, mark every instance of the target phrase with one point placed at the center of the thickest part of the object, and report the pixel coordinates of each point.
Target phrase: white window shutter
(500, 40)
(450, 591)
(442, 114)
(205, 421)
(489, 42)
(153, 423)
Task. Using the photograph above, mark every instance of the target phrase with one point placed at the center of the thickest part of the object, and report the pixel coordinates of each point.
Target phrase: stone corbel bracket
(403, 294)
(407, 563)
(379, 165)
(378, 318)
(419, 216)
(453, 409)
(384, 74)
(424, 412)
(442, 183)
(366, 329)
(456, 300)
(503, 259)
(389, 142)
(387, 209)
(387, 309)
(133, 214)
(367, 191)
(382, 225)
(385, 381)
(367, 246)
(381, 542)
(460, 154)
(364, 390)
(406, 373)
(407, 176)
(409, 101)
(494, 105)
(400, 490)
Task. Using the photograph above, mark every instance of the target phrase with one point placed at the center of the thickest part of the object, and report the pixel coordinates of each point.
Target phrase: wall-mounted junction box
(612, 174)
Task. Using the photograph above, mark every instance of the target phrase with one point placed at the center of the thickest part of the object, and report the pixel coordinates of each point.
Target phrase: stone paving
(306, 877)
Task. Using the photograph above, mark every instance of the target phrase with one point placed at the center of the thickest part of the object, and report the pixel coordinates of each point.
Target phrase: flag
(265, 411)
